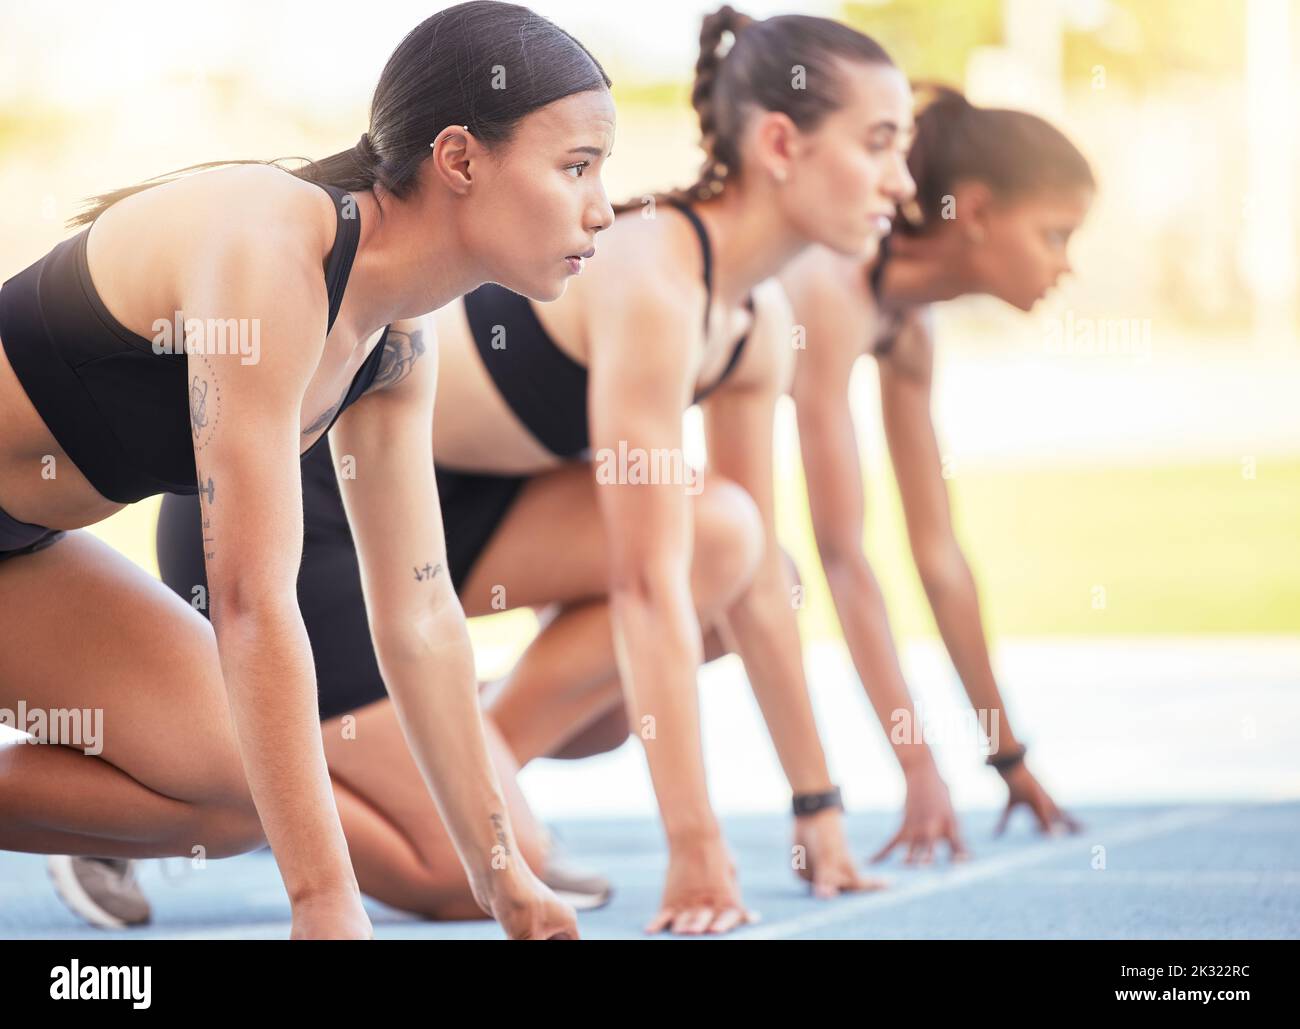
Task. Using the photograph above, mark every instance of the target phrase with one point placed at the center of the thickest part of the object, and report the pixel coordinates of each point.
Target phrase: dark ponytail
(481, 64)
(773, 64)
(1014, 153)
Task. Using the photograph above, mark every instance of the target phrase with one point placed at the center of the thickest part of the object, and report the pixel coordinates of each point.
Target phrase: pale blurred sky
(1195, 219)
(78, 53)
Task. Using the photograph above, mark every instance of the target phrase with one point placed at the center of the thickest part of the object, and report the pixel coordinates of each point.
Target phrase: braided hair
(787, 64)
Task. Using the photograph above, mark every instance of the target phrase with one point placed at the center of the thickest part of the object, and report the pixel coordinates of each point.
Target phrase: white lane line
(1113, 877)
(846, 909)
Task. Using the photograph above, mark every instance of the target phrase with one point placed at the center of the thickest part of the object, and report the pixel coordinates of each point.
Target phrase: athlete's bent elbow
(437, 626)
(238, 608)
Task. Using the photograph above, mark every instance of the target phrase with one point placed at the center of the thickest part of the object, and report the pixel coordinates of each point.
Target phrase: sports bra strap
(706, 250)
(338, 266)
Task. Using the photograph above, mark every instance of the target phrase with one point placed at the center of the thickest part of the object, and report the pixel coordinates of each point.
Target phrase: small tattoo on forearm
(499, 824)
(207, 494)
(427, 572)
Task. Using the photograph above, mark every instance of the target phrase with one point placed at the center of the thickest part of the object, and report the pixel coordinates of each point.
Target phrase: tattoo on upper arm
(427, 572)
(205, 412)
(401, 351)
(323, 419)
(204, 403)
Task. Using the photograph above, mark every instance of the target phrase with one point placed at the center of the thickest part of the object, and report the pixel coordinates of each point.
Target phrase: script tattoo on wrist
(499, 824)
(427, 572)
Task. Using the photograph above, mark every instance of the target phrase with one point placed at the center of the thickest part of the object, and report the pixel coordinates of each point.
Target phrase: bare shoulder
(651, 251)
(236, 240)
(267, 201)
(265, 235)
(250, 208)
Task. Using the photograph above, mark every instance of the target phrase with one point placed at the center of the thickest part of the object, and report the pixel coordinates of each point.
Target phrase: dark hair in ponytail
(747, 64)
(1013, 152)
(444, 72)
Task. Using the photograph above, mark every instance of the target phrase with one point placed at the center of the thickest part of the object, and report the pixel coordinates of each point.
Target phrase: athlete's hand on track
(822, 856)
(702, 894)
(1023, 788)
(528, 910)
(928, 820)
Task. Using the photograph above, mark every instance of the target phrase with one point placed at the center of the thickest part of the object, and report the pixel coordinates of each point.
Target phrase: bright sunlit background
(1129, 499)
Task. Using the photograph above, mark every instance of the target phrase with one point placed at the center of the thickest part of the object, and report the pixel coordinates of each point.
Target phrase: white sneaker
(103, 891)
(579, 887)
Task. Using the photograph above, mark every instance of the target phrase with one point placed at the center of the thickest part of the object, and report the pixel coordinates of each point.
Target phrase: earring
(779, 174)
(435, 142)
(975, 234)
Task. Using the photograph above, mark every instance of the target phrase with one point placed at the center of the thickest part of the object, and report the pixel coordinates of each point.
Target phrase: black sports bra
(119, 409)
(545, 387)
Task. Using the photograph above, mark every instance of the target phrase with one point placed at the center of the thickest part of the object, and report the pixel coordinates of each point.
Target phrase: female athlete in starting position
(211, 738)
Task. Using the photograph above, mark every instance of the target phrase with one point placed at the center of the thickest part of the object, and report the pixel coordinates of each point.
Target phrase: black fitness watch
(1005, 762)
(811, 803)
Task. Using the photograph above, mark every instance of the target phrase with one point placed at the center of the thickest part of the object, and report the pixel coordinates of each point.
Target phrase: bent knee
(607, 733)
(728, 541)
(220, 832)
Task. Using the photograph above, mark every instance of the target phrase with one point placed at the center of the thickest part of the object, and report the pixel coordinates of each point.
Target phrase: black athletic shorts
(329, 579)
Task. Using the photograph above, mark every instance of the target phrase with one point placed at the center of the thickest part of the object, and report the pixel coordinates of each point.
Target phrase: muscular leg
(400, 849)
(86, 628)
(607, 728)
(552, 548)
